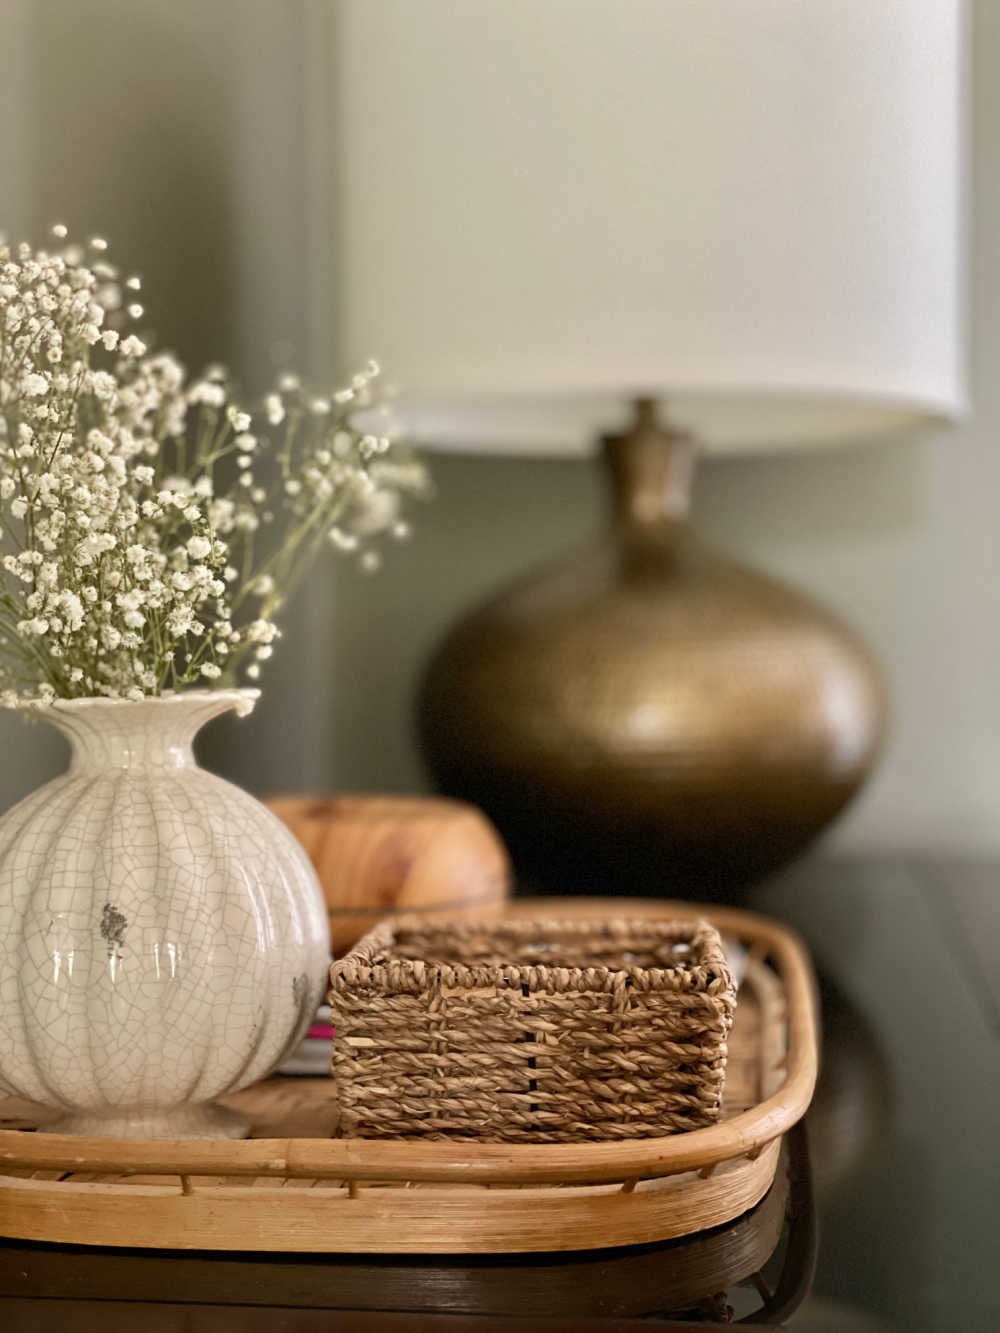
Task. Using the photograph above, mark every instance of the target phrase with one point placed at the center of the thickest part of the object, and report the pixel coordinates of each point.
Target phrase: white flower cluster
(150, 527)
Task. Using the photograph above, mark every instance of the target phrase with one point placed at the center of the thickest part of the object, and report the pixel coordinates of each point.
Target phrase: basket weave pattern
(528, 1031)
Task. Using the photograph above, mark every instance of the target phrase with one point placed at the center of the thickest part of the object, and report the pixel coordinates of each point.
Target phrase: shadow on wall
(128, 129)
(176, 132)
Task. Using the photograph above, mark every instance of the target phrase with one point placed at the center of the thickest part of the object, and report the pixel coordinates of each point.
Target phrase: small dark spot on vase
(113, 925)
(300, 990)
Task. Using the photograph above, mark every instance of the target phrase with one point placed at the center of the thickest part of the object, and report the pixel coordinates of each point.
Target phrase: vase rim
(242, 700)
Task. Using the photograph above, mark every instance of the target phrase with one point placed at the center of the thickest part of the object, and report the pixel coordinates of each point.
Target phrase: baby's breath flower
(128, 558)
(261, 631)
(133, 346)
(213, 395)
(344, 541)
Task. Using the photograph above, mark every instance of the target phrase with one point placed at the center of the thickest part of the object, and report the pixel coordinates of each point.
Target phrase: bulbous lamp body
(649, 716)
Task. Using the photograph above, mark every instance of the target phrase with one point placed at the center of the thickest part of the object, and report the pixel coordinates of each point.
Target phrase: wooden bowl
(376, 855)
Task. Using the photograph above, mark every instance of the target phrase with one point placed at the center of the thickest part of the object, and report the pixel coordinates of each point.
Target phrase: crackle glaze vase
(163, 939)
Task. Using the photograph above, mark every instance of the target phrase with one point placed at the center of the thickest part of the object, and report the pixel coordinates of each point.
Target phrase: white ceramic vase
(163, 939)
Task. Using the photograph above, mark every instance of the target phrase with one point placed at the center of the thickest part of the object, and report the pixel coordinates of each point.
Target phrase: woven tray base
(291, 1187)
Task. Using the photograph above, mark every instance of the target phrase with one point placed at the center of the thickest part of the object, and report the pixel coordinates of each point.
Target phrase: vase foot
(206, 1120)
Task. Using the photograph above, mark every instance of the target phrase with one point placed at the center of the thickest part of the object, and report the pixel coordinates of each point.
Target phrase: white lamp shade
(750, 208)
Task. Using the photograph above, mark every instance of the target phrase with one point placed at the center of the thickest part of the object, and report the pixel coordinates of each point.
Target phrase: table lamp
(670, 225)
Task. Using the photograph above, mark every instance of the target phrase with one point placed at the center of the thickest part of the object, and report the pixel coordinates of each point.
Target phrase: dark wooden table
(903, 1152)
(904, 1126)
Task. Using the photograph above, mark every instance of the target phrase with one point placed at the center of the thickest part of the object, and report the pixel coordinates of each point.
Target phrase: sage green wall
(178, 130)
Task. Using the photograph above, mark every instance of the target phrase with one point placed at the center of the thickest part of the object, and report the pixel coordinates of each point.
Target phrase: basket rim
(709, 974)
(745, 1134)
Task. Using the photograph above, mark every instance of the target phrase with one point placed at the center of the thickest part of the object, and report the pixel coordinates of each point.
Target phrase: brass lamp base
(647, 716)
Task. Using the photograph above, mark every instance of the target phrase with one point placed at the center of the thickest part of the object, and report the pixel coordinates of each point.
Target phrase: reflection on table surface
(903, 1125)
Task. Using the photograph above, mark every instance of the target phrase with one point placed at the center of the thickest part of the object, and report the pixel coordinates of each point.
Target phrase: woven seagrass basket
(530, 1031)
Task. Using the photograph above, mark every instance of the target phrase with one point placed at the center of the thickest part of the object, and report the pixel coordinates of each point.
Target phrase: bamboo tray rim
(745, 1134)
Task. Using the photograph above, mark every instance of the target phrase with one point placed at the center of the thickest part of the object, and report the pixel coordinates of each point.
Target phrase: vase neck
(652, 468)
(148, 733)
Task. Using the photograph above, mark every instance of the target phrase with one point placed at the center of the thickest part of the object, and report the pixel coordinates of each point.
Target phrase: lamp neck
(652, 468)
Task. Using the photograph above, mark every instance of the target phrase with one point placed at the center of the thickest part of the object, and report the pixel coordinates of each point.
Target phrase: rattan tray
(292, 1187)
